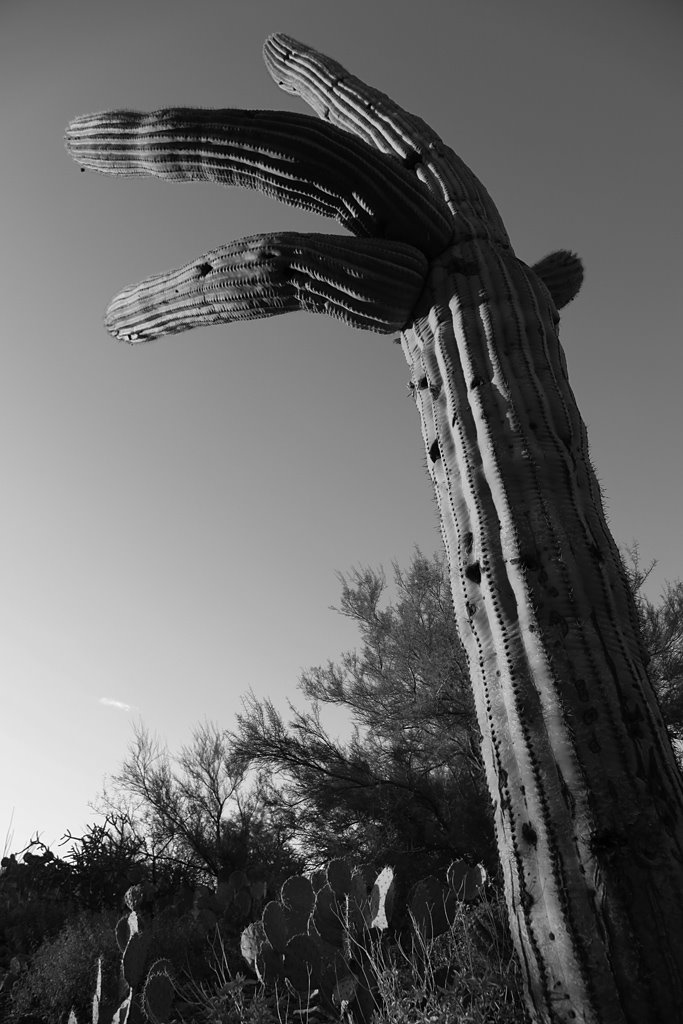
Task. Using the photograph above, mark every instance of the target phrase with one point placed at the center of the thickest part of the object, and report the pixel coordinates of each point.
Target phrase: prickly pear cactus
(237, 898)
(147, 990)
(315, 938)
(318, 937)
(432, 906)
(158, 992)
(145, 993)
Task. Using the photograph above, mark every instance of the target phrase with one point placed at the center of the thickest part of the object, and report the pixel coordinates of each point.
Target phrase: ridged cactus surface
(587, 796)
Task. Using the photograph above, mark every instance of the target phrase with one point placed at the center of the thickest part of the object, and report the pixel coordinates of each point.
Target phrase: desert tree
(408, 787)
(195, 810)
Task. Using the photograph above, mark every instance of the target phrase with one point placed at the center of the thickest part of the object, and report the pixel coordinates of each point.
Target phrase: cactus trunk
(585, 789)
(587, 796)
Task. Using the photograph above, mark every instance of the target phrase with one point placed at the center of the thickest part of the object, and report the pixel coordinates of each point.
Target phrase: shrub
(62, 971)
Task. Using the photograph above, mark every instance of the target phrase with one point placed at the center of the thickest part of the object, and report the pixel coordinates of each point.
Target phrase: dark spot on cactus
(476, 382)
(469, 542)
(82, 170)
(529, 834)
(434, 452)
(471, 608)
(551, 936)
(204, 269)
(473, 572)
(422, 383)
(434, 390)
(411, 160)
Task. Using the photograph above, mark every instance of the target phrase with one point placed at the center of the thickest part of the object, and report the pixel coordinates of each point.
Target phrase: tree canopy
(407, 788)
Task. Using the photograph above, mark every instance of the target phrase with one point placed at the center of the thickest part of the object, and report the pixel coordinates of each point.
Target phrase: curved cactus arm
(293, 157)
(346, 101)
(369, 283)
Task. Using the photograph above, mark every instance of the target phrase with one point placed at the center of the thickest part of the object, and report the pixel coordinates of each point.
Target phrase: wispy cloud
(117, 704)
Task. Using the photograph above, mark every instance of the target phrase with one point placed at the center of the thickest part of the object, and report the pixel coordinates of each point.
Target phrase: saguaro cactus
(586, 792)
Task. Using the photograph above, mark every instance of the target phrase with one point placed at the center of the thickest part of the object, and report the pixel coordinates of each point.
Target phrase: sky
(174, 515)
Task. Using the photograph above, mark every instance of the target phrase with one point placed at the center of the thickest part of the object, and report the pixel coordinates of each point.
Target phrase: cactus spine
(587, 797)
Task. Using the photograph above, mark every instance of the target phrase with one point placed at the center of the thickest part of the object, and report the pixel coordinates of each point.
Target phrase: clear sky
(173, 515)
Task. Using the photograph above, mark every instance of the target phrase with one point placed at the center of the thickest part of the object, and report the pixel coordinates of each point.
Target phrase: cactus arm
(587, 797)
(562, 274)
(293, 157)
(369, 283)
(346, 101)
